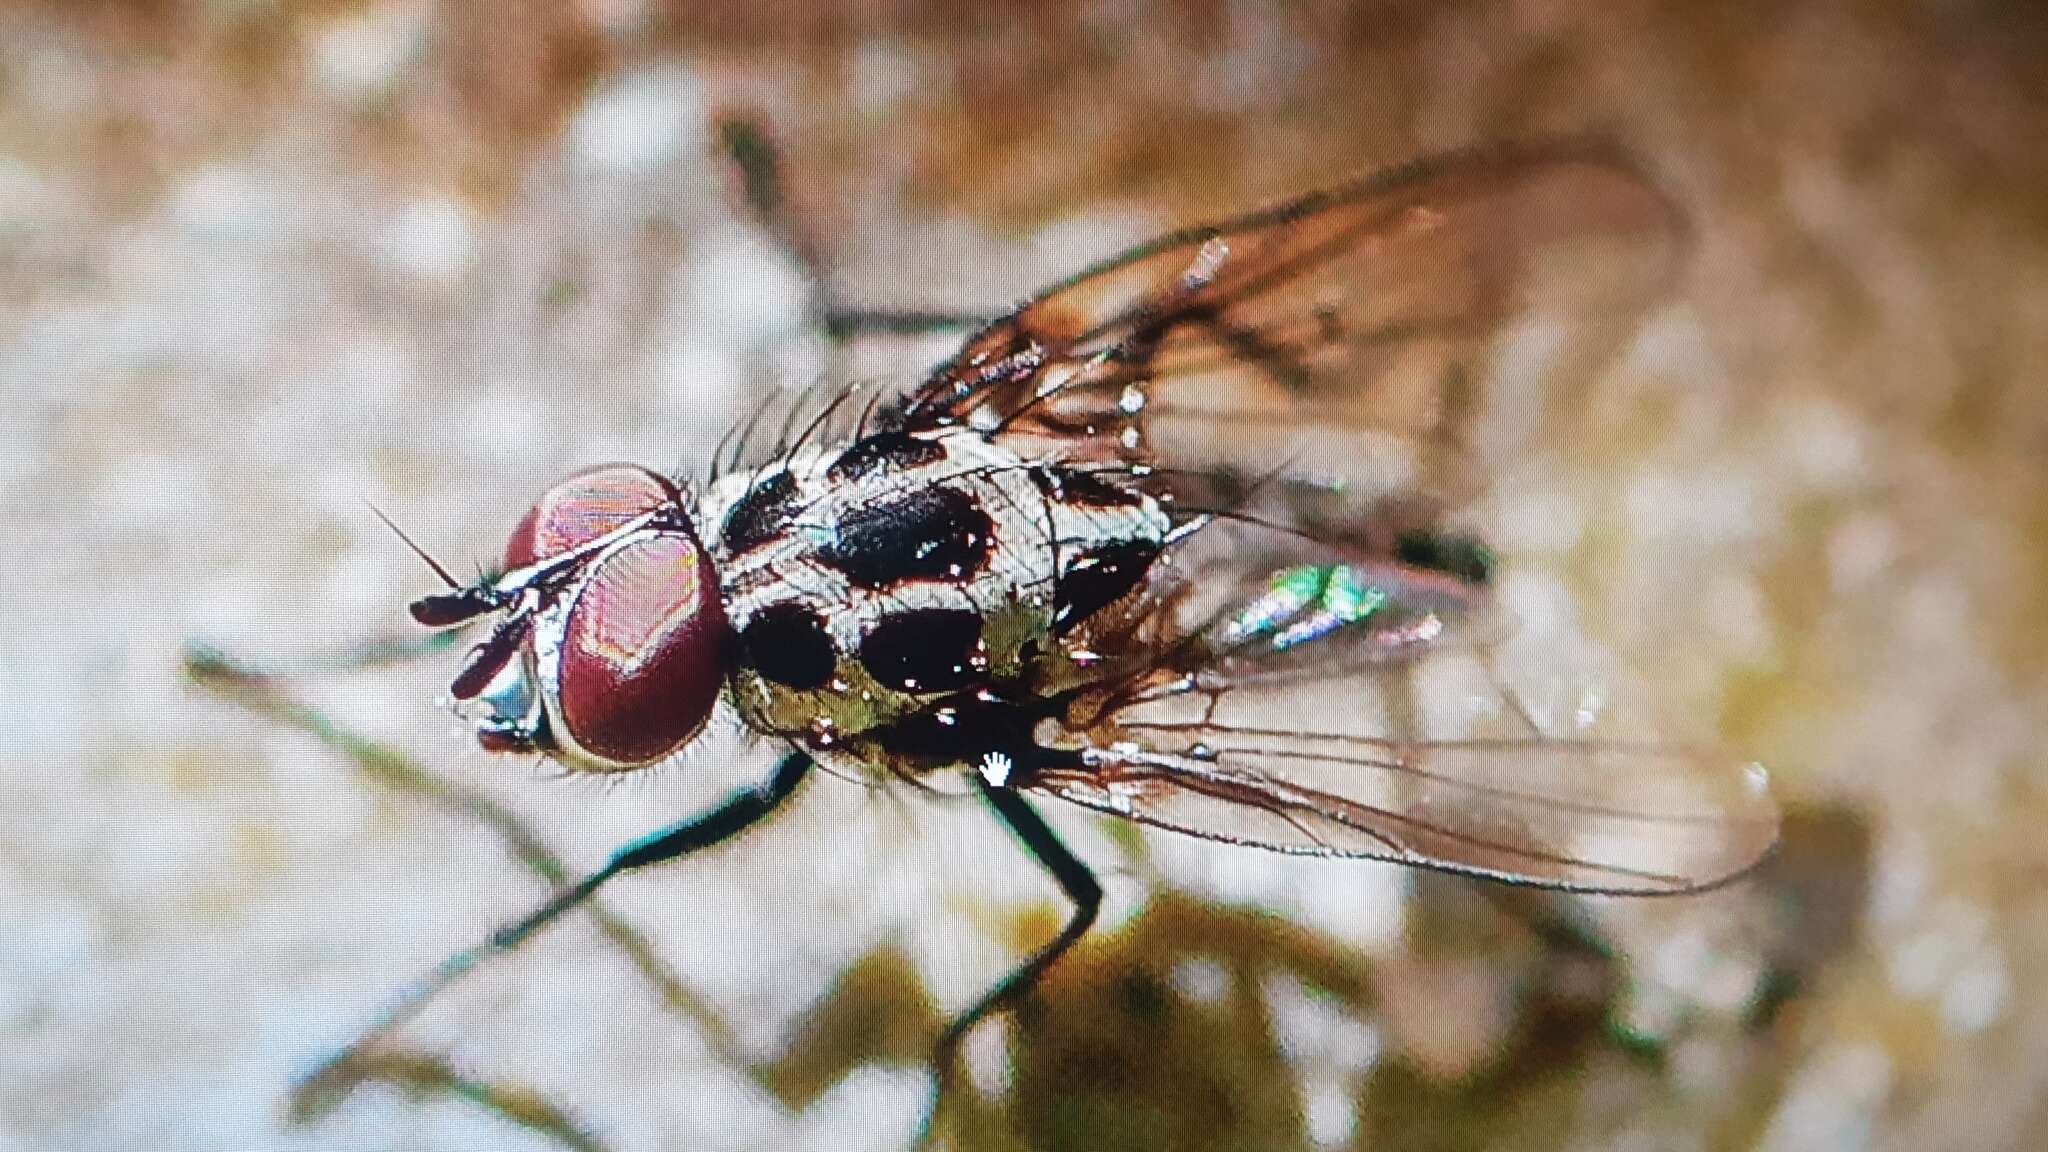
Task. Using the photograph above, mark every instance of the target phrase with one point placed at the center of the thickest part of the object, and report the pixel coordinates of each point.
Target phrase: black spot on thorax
(926, 650)
(762, 514)
(788, 644)
(883, 452)
(1097, 578)
(925, 533)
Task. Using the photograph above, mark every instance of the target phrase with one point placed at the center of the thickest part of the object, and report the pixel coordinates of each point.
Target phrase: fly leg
(265, 692)
(757, 162)
(1074, 878)
(331, 1080)
(847, 322)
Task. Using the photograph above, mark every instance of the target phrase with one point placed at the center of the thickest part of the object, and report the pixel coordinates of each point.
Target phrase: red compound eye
(585, 507)
(641, 630)
(642, 651)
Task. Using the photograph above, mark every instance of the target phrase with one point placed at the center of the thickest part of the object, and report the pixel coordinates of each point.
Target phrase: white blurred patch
(1537, 602)
(1228, 875)
(1563, 682)
(1363, 905)
(1536, 521)
(47, 933)
(1832, 1102)
(1953, 960)
(1861, 549)
(1821, 443)
(1316, 1030)
(876, 1108)
(338, 493)
(27, 199)
(1525, 348)
(225, 202)
(1073, 241)
(142, 491)
(373, 370)
(17, 1012)
(880, 76)
(358, 56)
(360, 580)
(1328, 1110)
(218, 608)
(1673, 344)
(1935, 615)
(1691, 961)
(1329, 1050)
(985, 1056)
(510, 422)
(432, 239)
(639, 122)
(1738, 620)
(1920, 963)
(619, 17)
(1515, 392)
(1976, 997)
(694, 373)
(1453, 694)
(1901, 877)
(1702, 506)
(1201, 979)
(745, 289)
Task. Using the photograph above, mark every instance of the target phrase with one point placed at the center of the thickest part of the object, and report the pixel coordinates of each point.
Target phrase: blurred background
(263, 264)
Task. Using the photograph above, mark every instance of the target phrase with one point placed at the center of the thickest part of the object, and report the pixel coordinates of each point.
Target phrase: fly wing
(1339, 337)
(1565, 814)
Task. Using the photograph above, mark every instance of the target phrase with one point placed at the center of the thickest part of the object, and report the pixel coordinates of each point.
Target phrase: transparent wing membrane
(1340, 338)
(1573, 815)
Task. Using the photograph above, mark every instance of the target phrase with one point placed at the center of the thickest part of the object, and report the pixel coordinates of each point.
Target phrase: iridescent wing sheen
(1235, 601)
(1340, 339)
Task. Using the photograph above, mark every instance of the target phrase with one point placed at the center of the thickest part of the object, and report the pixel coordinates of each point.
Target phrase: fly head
(610, 645)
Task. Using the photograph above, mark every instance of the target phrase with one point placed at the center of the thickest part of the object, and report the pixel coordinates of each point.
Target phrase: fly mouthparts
(488, 658)
(444, 609)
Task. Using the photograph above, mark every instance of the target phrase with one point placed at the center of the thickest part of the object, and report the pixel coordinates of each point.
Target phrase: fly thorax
(912, 568)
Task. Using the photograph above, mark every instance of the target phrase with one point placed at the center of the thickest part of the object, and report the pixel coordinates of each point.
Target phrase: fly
(1094, 555)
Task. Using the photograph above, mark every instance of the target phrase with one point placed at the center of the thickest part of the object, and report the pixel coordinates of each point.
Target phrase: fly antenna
(446, 577)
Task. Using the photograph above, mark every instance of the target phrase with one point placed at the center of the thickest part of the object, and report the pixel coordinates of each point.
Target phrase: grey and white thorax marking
(865, 585)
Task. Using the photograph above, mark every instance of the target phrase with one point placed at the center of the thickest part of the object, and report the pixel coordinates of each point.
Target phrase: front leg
(739, 812)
